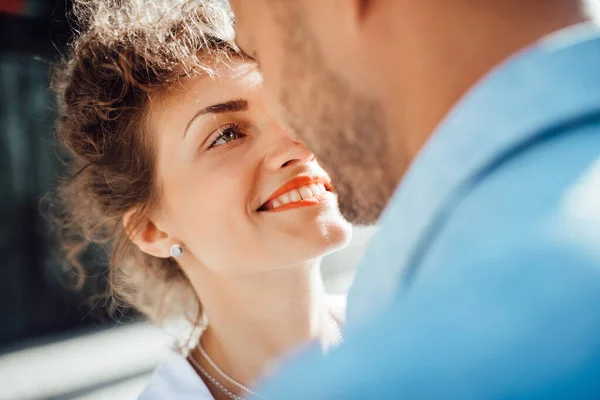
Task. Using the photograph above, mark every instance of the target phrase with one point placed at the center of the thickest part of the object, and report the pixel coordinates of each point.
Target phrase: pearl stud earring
(176, 251)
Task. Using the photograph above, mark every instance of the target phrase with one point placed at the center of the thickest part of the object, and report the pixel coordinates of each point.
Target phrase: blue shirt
(483, 281)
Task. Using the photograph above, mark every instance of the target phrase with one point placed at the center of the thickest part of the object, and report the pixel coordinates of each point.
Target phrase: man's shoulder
(526, 228)
(546, 192)
(525, 206)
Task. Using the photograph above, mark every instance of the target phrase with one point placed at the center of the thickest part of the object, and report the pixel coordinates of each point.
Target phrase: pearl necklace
(223, 389)
(213, 380)
(223, 374)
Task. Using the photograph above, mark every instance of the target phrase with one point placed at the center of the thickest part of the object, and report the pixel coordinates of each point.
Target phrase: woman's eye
(228, 135)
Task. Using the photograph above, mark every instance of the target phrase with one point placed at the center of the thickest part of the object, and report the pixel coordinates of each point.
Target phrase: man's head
(363, 83)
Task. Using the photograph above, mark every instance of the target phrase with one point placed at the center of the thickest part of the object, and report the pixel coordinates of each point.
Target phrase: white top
(175, 378)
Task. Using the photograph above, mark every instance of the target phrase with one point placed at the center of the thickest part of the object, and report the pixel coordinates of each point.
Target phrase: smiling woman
(210, 210)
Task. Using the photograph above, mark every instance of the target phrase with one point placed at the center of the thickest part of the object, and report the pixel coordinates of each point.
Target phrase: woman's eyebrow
(228, 106)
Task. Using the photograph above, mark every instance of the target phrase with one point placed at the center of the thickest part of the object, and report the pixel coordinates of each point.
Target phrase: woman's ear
(145, 235)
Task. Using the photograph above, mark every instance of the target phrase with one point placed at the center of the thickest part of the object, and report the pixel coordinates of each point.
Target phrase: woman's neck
(256, 319)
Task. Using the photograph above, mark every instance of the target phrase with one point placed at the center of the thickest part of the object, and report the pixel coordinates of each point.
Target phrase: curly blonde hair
(125, 52)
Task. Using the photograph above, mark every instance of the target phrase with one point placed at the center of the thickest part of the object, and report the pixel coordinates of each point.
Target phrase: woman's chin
(337, 235)
(307, 245)
(331, 236)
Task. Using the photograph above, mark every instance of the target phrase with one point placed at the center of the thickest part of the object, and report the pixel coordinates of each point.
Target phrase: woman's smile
(302, 191)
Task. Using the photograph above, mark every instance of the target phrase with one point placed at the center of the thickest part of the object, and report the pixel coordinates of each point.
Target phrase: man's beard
(346, 132)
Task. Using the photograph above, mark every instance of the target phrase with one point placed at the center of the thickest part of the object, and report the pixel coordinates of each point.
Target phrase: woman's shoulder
(175, 378)
(337, 305)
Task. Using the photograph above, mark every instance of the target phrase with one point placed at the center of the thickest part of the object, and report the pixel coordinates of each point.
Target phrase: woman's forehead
(238, 78)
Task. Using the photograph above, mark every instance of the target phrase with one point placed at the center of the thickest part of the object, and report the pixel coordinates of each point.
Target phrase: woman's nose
(286, 151)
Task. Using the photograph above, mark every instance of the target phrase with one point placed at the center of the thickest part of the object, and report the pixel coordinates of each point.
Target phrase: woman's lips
(301, 203)
(299, 192)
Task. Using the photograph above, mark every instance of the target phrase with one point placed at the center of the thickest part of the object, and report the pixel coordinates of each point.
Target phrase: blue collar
(553, 82)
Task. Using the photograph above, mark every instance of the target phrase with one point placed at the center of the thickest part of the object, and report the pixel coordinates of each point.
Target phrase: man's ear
(146, 235)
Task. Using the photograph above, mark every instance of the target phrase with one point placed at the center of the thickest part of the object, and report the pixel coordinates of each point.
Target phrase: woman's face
(236, 191)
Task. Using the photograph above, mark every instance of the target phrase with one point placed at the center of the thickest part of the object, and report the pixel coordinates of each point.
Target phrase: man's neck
(446, 50)
(254, 320)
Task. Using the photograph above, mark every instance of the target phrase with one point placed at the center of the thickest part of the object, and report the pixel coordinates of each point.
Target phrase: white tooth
(322, 189)
(294, 195)
(276, 203)
(305, 192)
(284, 199)
(315, 189)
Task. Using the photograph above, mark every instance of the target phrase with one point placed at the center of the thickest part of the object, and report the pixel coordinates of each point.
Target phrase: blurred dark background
(35, 297)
